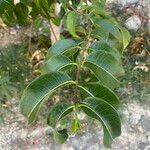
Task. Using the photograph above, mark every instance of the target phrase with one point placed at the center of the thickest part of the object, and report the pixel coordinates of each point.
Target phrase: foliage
(14, 73)
(89, 61)
(15, 63)
(136, 83)
(26, 10)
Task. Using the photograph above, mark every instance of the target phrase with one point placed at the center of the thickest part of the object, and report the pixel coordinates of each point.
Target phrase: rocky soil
(16, 135)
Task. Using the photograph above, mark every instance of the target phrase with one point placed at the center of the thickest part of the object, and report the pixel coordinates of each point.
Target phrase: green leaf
(104, 66)
(99, 3)
(80, 30)
(105, 46)
(21, 12)
(33, 96)
(56, 63)
(57, 112)
(108, 26)
(38, 4)
(34, 12)
(107, 62)
(71, 23)
(75, 125)
(43, 7)
(106, 114)
(63, 46)
(56, 20)
(125, 36)
(100, 91)
(5, 5)
(60, 136)
(8, 16)
(104, 78)
(75, 3)
(100, 33)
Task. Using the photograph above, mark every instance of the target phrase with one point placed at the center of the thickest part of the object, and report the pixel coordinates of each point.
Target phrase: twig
(83, 53)
(51, 27)
(29, 40)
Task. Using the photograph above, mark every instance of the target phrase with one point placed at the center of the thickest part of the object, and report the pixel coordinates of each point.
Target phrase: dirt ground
(16, 135)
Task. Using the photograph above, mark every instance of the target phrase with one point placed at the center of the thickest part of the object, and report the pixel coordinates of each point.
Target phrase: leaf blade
(57, 112)
(100, 91)
(105, 67)
(60, 136)
(108, 80)
(40, 88)
(107, 47)
(71, 23)
(106, 114)
(125, 36)
(56, 63)
(107, 62)
(108, 26)
(62, 46)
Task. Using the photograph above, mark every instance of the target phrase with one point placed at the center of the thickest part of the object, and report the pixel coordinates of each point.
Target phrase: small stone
(142, 146)
(147, 147)
(133, 23)
(140, 129)
(66, 147)
(36, 133)
(111, 1)
(81, 116)
(148, 138)
(146, 124)
(127, 2)
(135, 118)
(23, 134)
(94, 147)
(48, 130)
(13, 31)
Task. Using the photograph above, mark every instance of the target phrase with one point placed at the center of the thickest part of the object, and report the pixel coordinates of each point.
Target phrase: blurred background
(22, 52)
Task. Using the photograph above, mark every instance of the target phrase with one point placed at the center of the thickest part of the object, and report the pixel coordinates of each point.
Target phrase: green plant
(7, 89)
(15, 64)
(14, 73)
(90, 62)
(24, 11)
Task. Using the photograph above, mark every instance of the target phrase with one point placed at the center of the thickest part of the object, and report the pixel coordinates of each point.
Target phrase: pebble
(133, 23)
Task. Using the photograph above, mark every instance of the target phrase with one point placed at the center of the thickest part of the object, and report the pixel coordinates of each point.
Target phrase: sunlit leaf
(125, 36)
(75, 125)
(71, 23)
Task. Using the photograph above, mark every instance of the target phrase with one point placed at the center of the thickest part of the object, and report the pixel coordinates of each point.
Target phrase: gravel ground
(16, 135)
